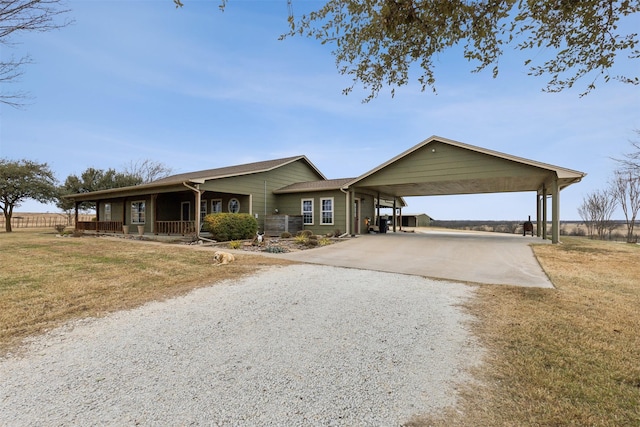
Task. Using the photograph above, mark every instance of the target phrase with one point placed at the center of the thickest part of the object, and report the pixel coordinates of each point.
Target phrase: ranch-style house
(293, 191)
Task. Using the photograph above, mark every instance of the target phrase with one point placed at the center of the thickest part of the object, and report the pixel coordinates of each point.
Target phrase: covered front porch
(170, 213)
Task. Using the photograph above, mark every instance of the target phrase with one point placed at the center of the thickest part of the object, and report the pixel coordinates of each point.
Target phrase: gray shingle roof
(327, 184)
(201, 176)
(228, 171)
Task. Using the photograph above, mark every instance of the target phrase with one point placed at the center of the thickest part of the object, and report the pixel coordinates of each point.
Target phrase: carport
(440, 166)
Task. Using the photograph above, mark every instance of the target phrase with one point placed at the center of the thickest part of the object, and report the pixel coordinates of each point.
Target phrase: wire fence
(44, 220)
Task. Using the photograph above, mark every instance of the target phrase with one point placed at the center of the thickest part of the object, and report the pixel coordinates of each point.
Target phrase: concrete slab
(478, 257)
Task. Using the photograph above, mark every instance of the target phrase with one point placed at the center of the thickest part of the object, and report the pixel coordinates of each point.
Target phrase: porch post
(555, 211)
(124, 211)
(197, 209)
(76, 216)
(154, 212)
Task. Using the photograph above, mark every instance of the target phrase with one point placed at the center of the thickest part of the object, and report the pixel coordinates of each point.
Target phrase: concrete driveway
(491, 258)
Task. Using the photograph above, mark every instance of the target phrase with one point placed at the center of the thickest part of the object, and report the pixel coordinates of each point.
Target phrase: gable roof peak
(236, 170)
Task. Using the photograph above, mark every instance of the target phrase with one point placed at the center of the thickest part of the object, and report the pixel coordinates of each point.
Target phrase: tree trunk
(7, 223)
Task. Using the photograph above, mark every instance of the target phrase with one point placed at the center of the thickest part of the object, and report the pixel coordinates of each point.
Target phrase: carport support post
(538, 216)
(395, 209)
(555, 211)
(544, 212)
(377, 221)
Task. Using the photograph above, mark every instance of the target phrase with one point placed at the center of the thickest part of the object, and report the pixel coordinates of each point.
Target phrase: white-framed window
(307, 211)
(326, 211)
(203, 210)
(216, 205)
(234, 205)
(107, 211)
(138, 212)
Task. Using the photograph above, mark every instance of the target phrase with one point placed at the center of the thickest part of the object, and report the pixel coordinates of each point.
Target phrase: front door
(185, 213)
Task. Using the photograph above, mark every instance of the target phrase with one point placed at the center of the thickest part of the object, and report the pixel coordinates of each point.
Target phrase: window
(137, 212)
(307, 211)
(203, 210)
(216, 205)
(107, 211)
(234, 205)
(327, 211)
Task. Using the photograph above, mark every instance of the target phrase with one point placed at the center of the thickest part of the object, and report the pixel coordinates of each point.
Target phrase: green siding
(260, 187)
(147, 212)
(368, 210)
(447, 163)
(291, 204)
(117, 210)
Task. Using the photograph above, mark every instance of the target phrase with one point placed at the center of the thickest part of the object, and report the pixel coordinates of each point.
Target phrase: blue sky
(195, 88)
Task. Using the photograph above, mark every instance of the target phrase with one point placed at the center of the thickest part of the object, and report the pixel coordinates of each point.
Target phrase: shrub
(578, 231)
(229, 226)
(300, 239)
(285, 235)
(235, 244)
(305, 233)
(312, 242)
(336, 233)
(324, 241)
(60, 228)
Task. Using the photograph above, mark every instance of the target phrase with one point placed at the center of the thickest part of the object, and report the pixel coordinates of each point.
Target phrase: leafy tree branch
(387, 42)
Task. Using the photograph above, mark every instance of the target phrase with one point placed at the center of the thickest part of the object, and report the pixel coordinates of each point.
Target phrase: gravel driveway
(294, 345)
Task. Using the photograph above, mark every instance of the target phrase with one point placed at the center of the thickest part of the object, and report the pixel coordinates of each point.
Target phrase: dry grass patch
(46, 280)
(564, 357)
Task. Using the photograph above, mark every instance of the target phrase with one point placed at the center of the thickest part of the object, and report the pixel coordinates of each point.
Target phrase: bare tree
(596, 211)
(626, 185)
(631, 161)
(16, 17)
(147, 170)
(626, 190)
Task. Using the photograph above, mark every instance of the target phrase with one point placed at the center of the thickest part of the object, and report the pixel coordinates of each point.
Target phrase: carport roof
(440, 166)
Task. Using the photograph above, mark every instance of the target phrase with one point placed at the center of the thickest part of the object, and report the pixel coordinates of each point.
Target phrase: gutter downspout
(346, 198)
(196, 189)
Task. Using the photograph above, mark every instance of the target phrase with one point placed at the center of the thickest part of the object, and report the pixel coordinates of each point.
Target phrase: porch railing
(161, 227)
(100, 226)
(175, 227)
